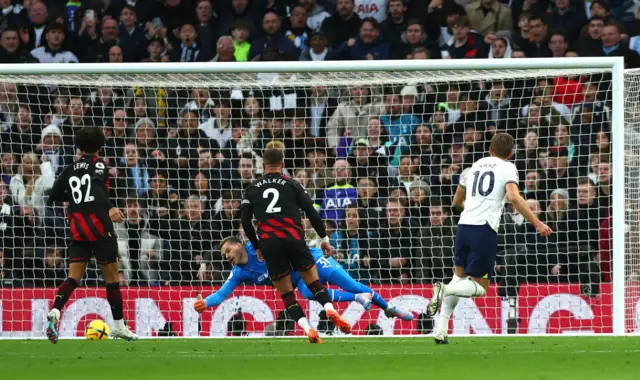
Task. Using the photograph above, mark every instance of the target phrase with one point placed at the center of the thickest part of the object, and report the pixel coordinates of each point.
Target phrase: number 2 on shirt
(276, 195)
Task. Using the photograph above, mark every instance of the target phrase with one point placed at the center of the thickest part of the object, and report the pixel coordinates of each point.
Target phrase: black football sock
(320, 293)
(114, 296)
(64, 292)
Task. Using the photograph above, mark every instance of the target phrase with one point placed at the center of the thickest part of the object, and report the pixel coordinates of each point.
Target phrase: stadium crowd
(382, 163)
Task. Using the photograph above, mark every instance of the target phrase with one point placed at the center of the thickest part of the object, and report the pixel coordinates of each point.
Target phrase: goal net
(380, 153)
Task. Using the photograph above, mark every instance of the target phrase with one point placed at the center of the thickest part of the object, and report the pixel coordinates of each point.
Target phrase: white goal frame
(613, 64)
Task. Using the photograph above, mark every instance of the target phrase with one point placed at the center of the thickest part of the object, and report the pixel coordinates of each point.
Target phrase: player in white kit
(481, 192)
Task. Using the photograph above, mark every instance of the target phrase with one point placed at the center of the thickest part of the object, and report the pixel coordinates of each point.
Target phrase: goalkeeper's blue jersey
(253, 272)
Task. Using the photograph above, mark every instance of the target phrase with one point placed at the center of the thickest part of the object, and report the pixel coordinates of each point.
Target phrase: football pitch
(510, 358)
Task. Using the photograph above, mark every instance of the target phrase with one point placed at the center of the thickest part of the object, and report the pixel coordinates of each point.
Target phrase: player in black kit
(85, 186)
(276, 200)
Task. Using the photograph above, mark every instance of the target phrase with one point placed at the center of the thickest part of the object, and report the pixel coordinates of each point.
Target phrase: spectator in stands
(98, 51)
(414, 37)
(604, 183)
(369, 44)
(245, 173)
(161, 201)
(567, 17)
(273, 38)
(316, 13)
(613, 47)
(145, 137)
(29, 185)
(53, 51)
(366, 163)
(156, 51)
(38, 14)
(87, 33)
(368, 203)
(336, 198)
(395, 25)
(423, 148)
(436, 239)
(318, 50)
(418, 201)
(7, 168)
(352, 115)
(227, 219)
(296, 29)
(224, 50)
(558, 44)
(585, 216)
(132, 36)
(391, 250)
(241, 45)
(189, 239)
(560, 174)
(12, 15)
(500, 48)
(239, 10)
(342, 26)
(353, 246)
(183, 146)
(116, 143)
(536, 46)
(12, 51)
(145, 10)
(133, 174)
(52, 149)
(140, 251)
(498, 106)
(399, 124)
(589, 45)
(534, 186)
(75, 120)
(488, 16)
(207, 28)
(115, 54)
(190, 49)
(464, 43)
(22, 136)
(407, 170)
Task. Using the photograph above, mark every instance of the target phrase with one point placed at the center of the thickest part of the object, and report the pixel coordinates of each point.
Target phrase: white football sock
(119, 324)
(304, 323)
(466, 289)
(329, 307)
(448, 305)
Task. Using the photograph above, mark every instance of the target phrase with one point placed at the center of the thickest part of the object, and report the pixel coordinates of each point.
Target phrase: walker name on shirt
(278, 181)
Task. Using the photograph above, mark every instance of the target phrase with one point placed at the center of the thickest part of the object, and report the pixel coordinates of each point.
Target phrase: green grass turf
(563, 358)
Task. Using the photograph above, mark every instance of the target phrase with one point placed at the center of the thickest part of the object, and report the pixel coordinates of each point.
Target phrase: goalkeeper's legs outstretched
(335, 274)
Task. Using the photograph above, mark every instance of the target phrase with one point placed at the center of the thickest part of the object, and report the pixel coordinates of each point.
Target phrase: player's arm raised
(513, 194)
(306, 204)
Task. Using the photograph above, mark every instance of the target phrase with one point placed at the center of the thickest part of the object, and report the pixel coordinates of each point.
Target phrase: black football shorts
(105, 251)
(284, 255)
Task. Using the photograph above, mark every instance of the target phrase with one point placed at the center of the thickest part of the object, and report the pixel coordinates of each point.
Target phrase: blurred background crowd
(381, 162)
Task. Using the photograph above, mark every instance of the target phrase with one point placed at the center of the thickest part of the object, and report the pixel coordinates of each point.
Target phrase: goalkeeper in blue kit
(247, 267)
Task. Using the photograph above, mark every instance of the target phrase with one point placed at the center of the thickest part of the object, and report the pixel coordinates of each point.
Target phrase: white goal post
(553, 294)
